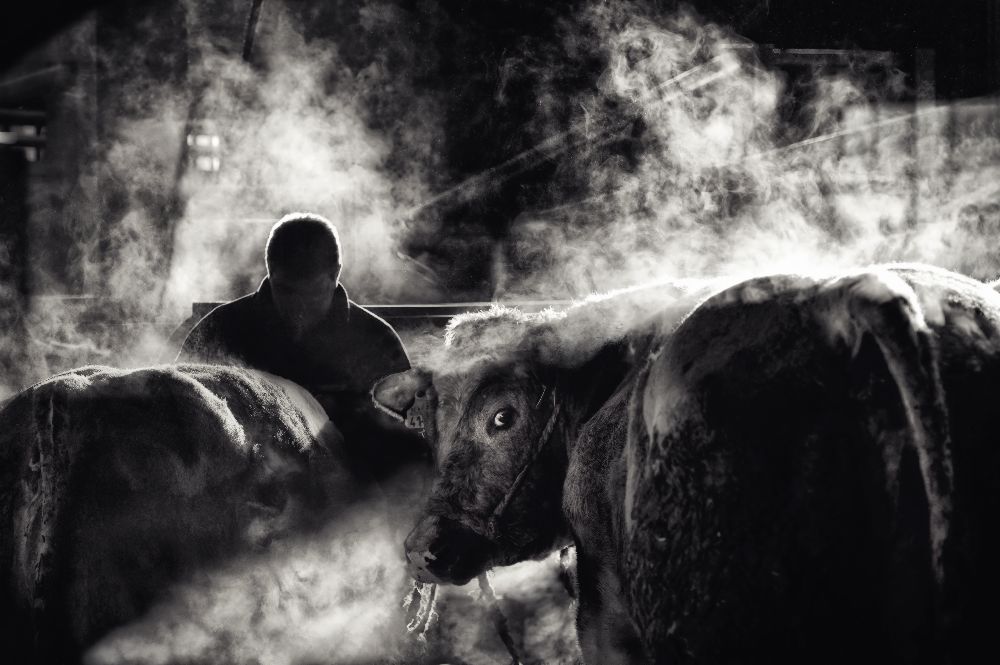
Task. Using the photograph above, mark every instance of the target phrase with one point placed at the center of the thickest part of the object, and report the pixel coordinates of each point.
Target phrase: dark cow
(115, 483)
(794, 469)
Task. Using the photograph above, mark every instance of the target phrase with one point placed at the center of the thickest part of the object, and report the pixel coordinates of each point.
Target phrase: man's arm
(396, 357)
(377, 352)
(384, 445)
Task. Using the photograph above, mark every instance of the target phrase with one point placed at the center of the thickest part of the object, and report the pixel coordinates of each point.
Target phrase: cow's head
(493, 420)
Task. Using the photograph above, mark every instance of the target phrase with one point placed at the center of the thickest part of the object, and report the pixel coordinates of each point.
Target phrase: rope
(566, 573)
(499, 618)
(492, 527)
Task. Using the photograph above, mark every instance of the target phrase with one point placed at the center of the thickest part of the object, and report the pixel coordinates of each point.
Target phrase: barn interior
(508, 151)
(505, 150)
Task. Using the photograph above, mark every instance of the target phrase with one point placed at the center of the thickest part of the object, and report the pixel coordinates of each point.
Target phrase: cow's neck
(595, 393)
(585, 389)
(592, 511)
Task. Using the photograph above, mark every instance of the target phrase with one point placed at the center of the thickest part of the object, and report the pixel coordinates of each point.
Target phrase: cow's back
(777, 506)
(117, 483)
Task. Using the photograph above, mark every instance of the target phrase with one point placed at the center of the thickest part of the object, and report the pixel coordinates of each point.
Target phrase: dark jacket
(346, 353)
(339, 362)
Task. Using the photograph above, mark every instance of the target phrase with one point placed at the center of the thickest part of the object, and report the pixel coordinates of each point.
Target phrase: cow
(114, 484)
(787, 468)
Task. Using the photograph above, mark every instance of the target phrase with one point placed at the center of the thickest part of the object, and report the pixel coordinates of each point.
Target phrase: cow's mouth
(441, 550)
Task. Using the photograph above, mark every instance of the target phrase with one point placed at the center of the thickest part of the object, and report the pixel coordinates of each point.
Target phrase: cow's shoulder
(960, 310)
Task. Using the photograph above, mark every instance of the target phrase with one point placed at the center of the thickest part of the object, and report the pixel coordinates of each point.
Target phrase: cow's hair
(499, 331)
(563, 339)
(499, 324)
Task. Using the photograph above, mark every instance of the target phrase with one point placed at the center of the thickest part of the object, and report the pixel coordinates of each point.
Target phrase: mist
(639, 145)
(618, 146)
(331, 599)
(338, 598)
(292, 133)
(719, 182)
(194, 153)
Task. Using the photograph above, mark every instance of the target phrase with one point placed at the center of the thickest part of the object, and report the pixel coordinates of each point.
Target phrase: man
(301, 325)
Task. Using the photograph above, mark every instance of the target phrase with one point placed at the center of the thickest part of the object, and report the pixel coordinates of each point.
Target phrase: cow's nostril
(442, 549)
(421, 559)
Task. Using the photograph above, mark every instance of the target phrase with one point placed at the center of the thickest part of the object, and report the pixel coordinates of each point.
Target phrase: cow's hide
(809, 473)
(115, 483)
(793, 469)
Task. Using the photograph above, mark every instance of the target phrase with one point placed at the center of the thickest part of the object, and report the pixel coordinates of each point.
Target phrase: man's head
(303, 262)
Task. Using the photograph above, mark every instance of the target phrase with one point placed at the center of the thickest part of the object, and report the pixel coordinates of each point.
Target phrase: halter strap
(492, 526)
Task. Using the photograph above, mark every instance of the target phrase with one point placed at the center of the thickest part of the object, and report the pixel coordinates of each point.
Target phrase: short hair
(303, 244)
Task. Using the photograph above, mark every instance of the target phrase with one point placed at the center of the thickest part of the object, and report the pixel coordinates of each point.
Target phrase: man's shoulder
(368, 321)
(234, 309)
(379, 338)
(220, 333)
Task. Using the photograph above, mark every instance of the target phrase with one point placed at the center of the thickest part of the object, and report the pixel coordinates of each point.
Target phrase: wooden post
(13, 272)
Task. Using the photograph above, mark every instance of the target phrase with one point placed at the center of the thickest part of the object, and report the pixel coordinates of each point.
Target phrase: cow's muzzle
(443, 551)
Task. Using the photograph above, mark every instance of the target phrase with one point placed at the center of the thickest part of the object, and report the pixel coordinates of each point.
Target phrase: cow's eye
(504, 418)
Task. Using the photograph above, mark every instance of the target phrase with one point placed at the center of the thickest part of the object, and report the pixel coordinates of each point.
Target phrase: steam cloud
(722, 184)
(337, 598)
(710, 179)
(705, 174)
(298, 128)
(295, 134)
(332, 599)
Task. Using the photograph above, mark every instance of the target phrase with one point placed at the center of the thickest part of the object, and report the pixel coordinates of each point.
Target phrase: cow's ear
(396, 394)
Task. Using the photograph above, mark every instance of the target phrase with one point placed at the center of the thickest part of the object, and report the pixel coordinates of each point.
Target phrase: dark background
(484, 62)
